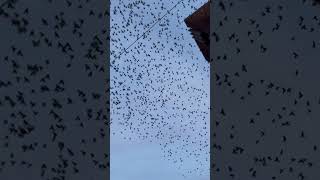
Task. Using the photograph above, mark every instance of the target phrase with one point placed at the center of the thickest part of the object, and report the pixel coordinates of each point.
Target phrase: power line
(148, 29)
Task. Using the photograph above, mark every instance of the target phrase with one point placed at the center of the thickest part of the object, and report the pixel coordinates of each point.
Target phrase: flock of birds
(54, 113)
(265, 95)
(160, 86)
(53, 78)
(264, 124)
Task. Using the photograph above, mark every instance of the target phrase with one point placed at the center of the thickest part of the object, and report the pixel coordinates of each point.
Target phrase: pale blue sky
(145, 90)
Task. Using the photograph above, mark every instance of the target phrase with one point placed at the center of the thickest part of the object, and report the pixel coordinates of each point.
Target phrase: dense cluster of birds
(160, 86)
(265, 96)
(53, 78)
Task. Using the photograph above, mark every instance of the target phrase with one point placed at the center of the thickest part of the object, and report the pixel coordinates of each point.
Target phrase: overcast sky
(140, 94)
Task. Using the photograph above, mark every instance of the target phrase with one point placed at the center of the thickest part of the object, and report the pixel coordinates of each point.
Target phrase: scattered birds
(44, 89)
(269, 96)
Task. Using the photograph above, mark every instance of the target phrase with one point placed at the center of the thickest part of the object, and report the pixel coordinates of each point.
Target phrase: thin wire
(148, 29)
